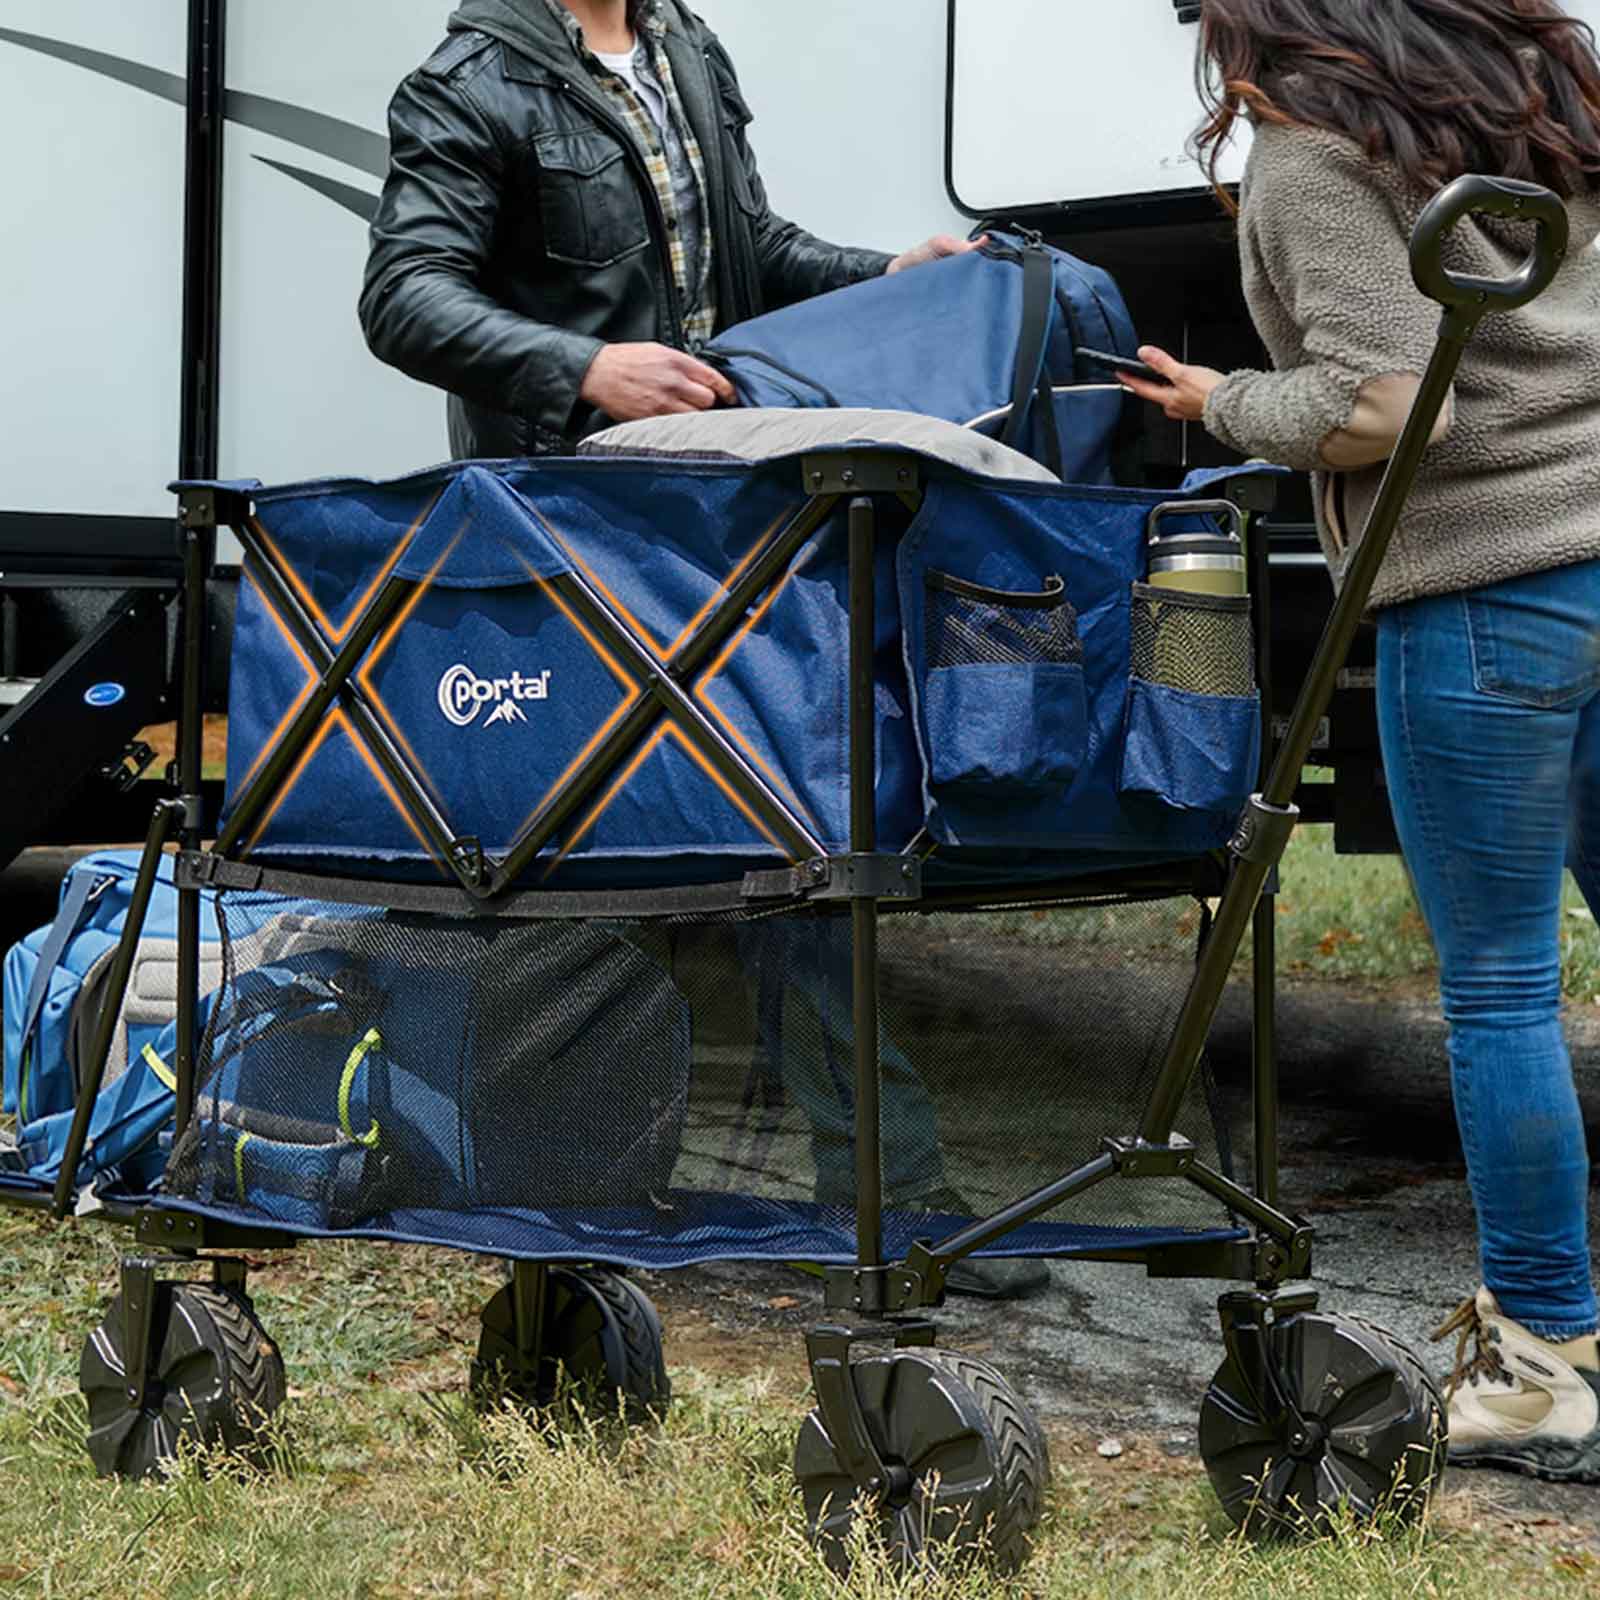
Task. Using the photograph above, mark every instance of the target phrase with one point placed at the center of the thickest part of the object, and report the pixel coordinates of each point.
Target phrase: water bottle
(1202, 561)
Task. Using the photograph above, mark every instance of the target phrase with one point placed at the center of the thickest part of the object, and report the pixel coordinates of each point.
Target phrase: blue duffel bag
(987, 340)
(55, 983)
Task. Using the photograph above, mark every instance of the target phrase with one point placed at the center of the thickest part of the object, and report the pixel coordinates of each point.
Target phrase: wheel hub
(898, 1483)
(1308, 1440)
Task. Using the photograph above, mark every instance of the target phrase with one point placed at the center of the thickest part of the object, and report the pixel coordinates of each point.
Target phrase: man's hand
(1183, 396)
(935, 249)
(632, 381)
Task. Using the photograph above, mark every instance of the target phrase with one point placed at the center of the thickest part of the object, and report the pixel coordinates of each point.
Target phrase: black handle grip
(1230, 515)
(1497, 197)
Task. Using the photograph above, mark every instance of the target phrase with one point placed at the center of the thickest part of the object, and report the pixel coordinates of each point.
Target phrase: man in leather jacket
(527, 252)
(572, 208)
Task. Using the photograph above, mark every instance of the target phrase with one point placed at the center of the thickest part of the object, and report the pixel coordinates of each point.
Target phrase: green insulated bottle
(1200, 561)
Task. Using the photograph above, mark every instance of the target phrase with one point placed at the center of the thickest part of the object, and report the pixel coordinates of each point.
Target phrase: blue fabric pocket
(1192, 729)
(1004, 701)
(1006, 728)
(1194, 752)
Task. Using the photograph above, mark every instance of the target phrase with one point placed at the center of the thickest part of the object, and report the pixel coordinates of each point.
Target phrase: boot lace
(1483, 1362)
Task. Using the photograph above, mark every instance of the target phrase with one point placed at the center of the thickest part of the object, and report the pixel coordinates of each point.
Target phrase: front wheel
(966, 1460)
(215, 1380)
(1369, 1442)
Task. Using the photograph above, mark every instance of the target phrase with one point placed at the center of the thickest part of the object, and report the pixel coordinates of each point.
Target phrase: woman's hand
(1183, 396)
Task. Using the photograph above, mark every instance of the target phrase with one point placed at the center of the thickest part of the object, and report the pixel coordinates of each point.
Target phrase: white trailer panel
(91, 256)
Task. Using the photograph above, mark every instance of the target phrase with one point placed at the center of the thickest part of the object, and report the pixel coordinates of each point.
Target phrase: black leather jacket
(518, 230)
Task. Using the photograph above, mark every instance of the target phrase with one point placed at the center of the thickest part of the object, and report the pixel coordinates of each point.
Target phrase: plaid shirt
(699, 298)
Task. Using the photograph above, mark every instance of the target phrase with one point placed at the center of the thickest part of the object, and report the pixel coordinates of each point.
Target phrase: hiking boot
(985, 1278)
(1520, 1402)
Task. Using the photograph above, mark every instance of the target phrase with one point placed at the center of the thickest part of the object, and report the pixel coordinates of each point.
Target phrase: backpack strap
(1032, 380)
(81, 894)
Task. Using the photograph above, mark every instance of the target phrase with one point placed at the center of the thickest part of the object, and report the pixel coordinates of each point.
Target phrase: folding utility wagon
(592, 828)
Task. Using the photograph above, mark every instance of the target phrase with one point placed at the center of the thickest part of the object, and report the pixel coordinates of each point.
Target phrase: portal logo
(463, 695)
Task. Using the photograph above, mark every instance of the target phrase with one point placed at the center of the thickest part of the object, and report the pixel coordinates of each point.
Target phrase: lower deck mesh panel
(662, 1093)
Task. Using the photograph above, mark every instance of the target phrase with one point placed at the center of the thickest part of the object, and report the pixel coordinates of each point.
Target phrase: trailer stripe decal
(313, 131)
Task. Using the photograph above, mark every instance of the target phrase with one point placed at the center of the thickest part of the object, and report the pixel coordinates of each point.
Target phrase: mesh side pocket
(968, 624)
(1192, 735)
(1199, 643)
(1003, 697)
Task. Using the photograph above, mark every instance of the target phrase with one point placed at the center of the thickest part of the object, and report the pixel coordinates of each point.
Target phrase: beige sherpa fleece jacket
(1512, 483)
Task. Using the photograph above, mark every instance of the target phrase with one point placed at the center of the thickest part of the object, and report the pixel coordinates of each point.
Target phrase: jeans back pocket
(1004, 692)
(1192, 735)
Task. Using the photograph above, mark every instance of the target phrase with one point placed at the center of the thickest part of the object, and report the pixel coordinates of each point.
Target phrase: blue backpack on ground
(55, 983)
(987, 340)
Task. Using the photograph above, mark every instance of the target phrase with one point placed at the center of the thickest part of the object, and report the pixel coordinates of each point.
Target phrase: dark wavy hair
(1438, 87)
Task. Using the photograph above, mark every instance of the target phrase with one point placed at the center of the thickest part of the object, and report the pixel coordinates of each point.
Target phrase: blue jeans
(1489, 708)
(806, 1025)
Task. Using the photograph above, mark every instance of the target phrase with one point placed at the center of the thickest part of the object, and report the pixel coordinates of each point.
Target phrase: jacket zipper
(642, 172)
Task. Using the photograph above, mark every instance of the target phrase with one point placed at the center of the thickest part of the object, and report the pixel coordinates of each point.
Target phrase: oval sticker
(104, 694)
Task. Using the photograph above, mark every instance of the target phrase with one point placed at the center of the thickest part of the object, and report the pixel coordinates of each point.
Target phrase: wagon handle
(1495, 197)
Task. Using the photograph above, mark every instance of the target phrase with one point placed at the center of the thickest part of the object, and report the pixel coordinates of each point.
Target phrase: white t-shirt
(648, 90)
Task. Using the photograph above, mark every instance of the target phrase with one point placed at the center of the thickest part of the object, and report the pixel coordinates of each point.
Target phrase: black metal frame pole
(198, 548)
(684, 669)
(162, 823)
(199, 431)
(864, 907)
(268, 782)
(202, 237)
(1264, 944)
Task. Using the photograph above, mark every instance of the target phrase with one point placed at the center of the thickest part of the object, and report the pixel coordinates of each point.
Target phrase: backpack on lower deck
(55, 983)
(988, 340)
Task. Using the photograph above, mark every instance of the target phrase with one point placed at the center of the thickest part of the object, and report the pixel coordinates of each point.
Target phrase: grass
(1349, 919)
(396, 1489)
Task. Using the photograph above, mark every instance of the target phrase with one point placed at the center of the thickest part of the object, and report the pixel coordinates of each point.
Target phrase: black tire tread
(1022, 1455)
(646, 1388)
(256, 1380)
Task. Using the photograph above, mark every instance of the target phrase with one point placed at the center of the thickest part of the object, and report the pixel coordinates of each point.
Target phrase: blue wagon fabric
(668, 1091)
(495, 690)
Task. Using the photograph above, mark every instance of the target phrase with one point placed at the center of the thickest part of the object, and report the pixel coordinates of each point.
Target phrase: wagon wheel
(602, 1337)
(967, 1463)
(215, 1380)
(1373, 1442)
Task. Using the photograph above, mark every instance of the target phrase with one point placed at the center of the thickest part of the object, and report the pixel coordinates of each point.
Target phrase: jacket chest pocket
(590, 208)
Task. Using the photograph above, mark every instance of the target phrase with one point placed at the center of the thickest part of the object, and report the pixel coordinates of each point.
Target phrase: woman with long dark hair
(1488, 606)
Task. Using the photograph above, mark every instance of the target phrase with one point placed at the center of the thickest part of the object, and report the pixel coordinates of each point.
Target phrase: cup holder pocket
(1003, 693)
(1192, 737)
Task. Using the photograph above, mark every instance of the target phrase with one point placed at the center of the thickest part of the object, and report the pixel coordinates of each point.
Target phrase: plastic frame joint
(875, 1291)
(1136, 1159)
(850, 473)
(863, 877)
(1263, 831)
(1278, 1260)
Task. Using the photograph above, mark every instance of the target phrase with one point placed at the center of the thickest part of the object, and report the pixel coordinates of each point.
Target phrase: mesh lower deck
(664, 1093)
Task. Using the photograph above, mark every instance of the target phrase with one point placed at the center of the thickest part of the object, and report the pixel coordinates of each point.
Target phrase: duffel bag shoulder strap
(83, 891)
(1032, 379)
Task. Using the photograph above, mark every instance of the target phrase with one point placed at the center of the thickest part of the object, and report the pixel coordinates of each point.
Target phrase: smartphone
(1134, 369)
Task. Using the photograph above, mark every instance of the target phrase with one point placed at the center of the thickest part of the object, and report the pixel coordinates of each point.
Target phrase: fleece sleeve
(1325, 245)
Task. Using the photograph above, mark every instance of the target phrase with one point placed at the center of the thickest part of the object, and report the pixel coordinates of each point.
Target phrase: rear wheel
(601, 1342)
(215, 1380)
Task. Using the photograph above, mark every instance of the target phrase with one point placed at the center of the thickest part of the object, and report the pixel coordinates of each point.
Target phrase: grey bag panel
(151, 1000)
